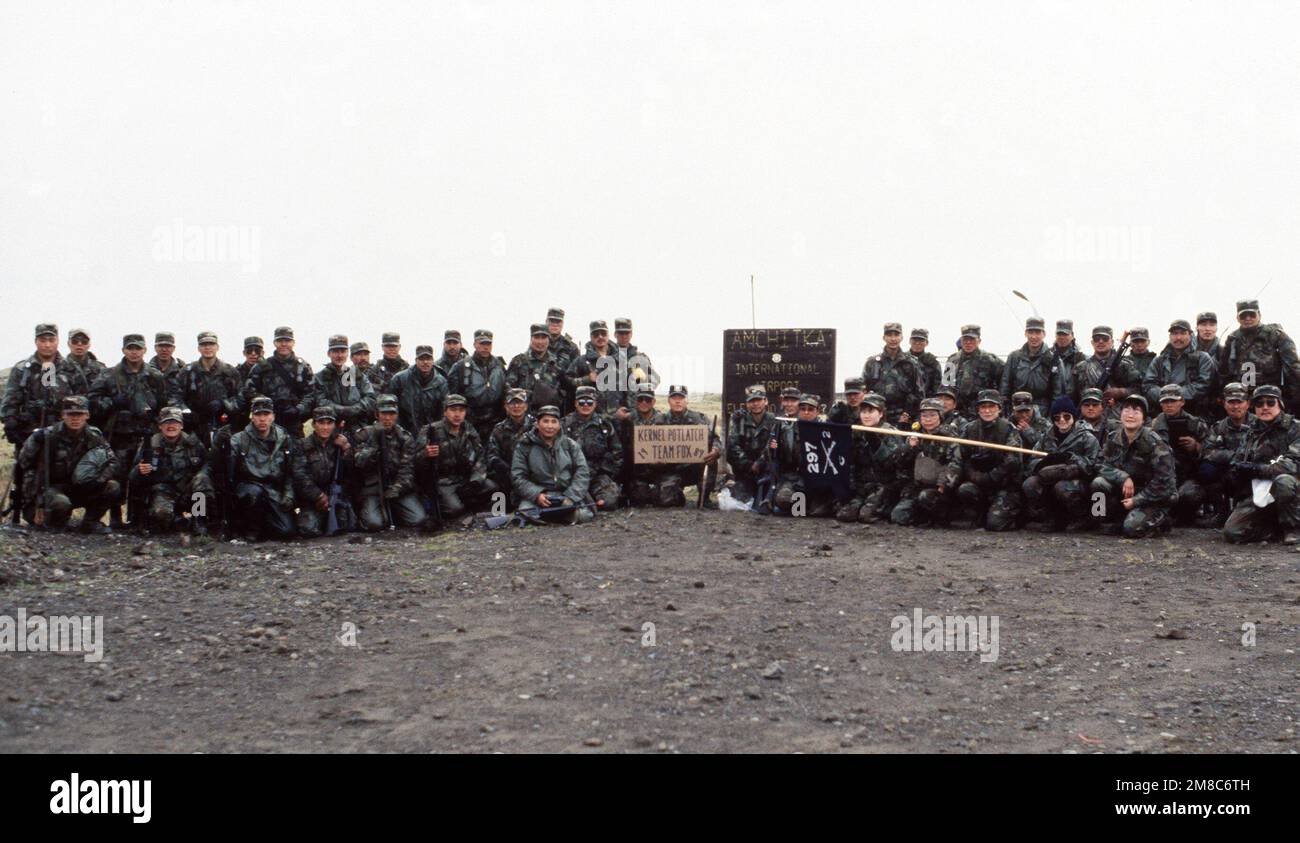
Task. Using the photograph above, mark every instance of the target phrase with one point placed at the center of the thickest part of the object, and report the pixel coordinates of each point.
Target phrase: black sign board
(777, 358)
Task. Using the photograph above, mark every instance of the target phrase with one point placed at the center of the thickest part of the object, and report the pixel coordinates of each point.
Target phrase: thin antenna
(1262, 289)
(753, 318)
(1026, 300)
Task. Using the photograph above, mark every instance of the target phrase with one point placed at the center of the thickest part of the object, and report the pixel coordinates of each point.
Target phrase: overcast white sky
(422, 166)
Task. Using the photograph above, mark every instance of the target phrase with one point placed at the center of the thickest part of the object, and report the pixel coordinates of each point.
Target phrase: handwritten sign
(670, 443)
(777, 358)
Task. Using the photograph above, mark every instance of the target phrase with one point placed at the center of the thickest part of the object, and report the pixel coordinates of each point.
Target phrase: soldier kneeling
(1056, 489)
(931, 468)
(80, 471)
(1136, 475)
(991, 477)
(386, 459)
(463, 484)
(264, 469)
(790, 485)
(875, 486)
(549, 472)
(171, 468)
(601, 446)
(1270, 452)
(327, 460)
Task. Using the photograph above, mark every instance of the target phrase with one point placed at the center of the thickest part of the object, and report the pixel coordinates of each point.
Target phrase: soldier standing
(896, 375)
(170, 470)
(1256, 354)
(211, 390)
(1270, 452)
(846, 411)
(1180, 364)
(601, 445)
(675, 478)
(1089, 373)
(33, 397)
(508, 431)
(360, 354)
(549, 470)
(325, 455)
(385, 459)
(1136, 475)
(931, 371)
(481, 380)
(875, 485)
(929, 471)
(1029, 368)
(81, 471)
(84, 365)
(1056, 488)
(452, 352)
(1226, 438)
(1065, 356)
(790, 401)
(562, 345)
(463, 483)
(283, 377)
(391, 363)
(264, 468)
(1140, 352)
(1207, 342)
(990, 478)
(597, 367)
(339, 384)
(420, 390)
(971, 370)
(165, 361)
(537, 371)
(1185, 434)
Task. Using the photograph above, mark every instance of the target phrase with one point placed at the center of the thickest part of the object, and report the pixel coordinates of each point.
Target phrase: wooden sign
(777, 358)
(669, 443)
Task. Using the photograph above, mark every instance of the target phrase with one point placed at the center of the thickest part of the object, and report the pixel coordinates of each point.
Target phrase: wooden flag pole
(973, 442)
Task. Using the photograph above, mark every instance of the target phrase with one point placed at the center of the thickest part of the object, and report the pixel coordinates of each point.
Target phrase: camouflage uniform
(608, 398)
(380, 381)
(483, 383)
(747, 446)
(641, 486)
(318, 460)
(1270, 353)
(790, 480)
(1214, 349)
(210, 394)
(172, 371)
(1026, 371)
(1217, 453)
(1271, 451)
(266, 471)
(875, 481)
(990, 483)
(1190, 369)
(1064, 360)
(387, 367)
(239, 417)
(286, 381)
(1191, 494)
(501, 447)
(541, 377)
(603, 449)
(1056, 494)
(1149, 462)
(1089, 373)
(387, 458)
(127, 405)
(420, 397)
(842, 412)
(559, 470)
(27, 394)
(179, 473)
(675, 478)
(931, 371)
(1036, 428)
(83, 373)
(462, 472)
(82, 471)
(446, 363)
(899, 379)
(968, 374)
(920, 501)
(562, 345)
(351, 395)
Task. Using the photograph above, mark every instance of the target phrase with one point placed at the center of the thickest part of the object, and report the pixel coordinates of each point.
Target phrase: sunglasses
(586, 402)
(1266, 402)
(1060, 416)
(641, 398)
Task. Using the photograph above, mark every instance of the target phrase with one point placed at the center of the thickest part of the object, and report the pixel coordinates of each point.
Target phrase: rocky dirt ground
(770, 635)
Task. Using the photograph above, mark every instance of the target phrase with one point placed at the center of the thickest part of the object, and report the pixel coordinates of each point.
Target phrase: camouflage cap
(1035, 323)
(1139, 334)
(548, 410)
(1090, 394)
(1103, 331)
(76, 404)
(622, 323)
(556, 313)
(325, 411)
(253, 342)
(1235, 391)
(386, 403)
(284, 332)
(644, 390)
(989, 396)
(810, 399)
(874, 399)
(517, 394)
(755, 392)
(77, 332)
(164, 338)
(360, 347)
(482, 335)
(171, 414)
(946, 390)
(1207, 316)
(1180, 325)
(921, 334)
(1171, 392)
(423, 351)
(968, 331)
(1065, 326)
(893, 327)
(854, 385)
(1267, 390)
(261, 404)
(47, 329)
(133, 341)
(1248, 306)
(598, 325)
(338, 341)
(677, 390)
(206, 337)
(585, 392)
(932, 405)
(451, 334)
(390, 338)
(455, 400)
(1022, 401)
(1136, 401)
(790, 392)
(539, 330)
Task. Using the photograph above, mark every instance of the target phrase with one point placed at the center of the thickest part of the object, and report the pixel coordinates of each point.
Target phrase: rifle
(766, 497)
(39, 520)
(383, 466)
(133, 493)
(336, 491)
(495, 522)
(430, 482)
(228, 504)
(704, 470)
(1114, 363)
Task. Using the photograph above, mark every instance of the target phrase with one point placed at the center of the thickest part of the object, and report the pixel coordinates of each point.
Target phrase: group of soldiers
(275, 449)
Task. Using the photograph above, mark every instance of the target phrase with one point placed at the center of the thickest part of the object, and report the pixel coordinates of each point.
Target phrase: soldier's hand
(1189, 444)
(755, 468)
(912, 441)
(145, 468)
(712, 456)
(1128, 503)
(431, 451)
(940, 488)
(622, 413)
(1127, 491)
(1021, 424)
(343, 443)
(904, 418)
(542, 500)
(322, 501)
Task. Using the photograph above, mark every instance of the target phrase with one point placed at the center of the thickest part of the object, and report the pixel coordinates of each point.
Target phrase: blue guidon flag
(825, 451)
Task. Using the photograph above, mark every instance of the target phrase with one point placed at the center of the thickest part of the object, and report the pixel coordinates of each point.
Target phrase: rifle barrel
(997, 446)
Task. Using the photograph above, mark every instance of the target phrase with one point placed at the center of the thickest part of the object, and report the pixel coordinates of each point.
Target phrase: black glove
(121, 402)
(12, 432)
(1054, 473)
(1246, 469)
(215, 408)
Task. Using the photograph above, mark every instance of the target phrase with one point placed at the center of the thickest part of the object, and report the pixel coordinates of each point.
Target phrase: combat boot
(199, 526)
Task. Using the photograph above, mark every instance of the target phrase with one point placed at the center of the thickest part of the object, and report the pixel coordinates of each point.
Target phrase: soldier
(875, 484)
(1207, 342)
(597, 367)
(508, 431)
(1065, 356)
(385, 459)
(640, 479)
(126, 399)
(80, 471)
(339, 384)
(1270, 453)
(1056, 490)
(1185, 434)
(452, 352)
(239, 415)
(636, 367)
(749, 432)
(931, 371)
(1140, 352)
(790, 461)
(1089, 373)
(463, 483)
(360, 354)
(264, 468)
(1136, 476)
(481, 380)
(421, 391)
(549, 471)
(170, 470)
(1218, 452)
(929, 471)
(790, 401)
(896, 375)
(391, 363)
(846, 411)
(675, 478)
(952, 416)
(326, 457)
(164, 345)
(971, 370)
(1184, 366)
(283, 377)
(1032, 426)
(601, 446)
(562, 345)
(33, 397)
(84, 366)
(536, 371)
(1029, 368)
(1257, 354)
(210, 389)
(990, 478)
(1092, 416)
